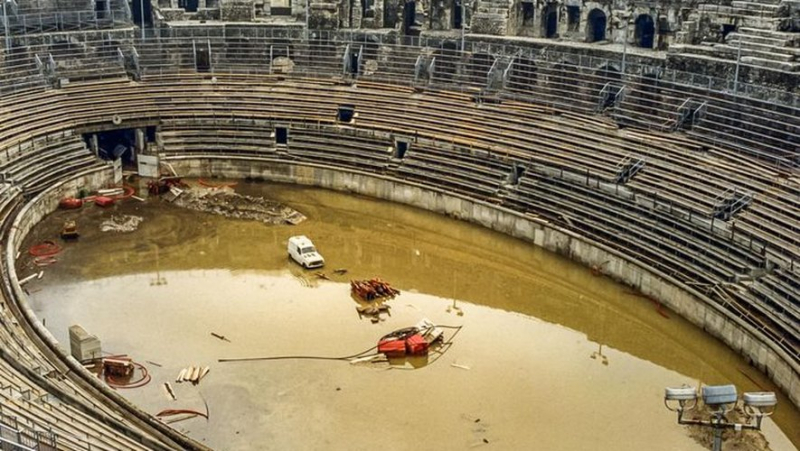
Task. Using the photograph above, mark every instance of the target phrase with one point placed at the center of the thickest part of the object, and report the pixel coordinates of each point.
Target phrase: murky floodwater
(549, 357)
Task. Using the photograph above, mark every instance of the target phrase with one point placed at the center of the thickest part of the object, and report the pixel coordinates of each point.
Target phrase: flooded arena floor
(549, 357)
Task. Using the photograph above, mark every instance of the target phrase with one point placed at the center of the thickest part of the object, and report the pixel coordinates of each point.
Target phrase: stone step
(777, 65)
(767, 33)
(769, 48)
(755, 39)
(758, 53)
(753, 6)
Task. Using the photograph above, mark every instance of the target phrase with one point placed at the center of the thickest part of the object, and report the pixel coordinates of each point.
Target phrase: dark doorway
(645, 31)
(137, 12)
(523, 74)
(596, 26)
(368, 9)
(354, 63)
(409, 17)
(573, 18)
(528, 12)
(550, 21)
(457, 14)
(346, 113)
(202, 60)
(101, 8)
(113, 144)
(389, 14)
(281, 135)
(400, 149)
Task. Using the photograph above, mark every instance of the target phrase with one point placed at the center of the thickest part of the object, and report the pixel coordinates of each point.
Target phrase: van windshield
(307, 250)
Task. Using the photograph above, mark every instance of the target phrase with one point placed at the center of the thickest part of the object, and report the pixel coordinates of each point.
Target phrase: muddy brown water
(550, 357)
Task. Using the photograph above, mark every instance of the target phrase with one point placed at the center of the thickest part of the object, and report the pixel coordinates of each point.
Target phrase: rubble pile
(121, 223)
(225, 202)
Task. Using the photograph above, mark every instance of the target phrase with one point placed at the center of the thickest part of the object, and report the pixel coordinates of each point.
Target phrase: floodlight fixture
(759, 404)
(720, 397)
(680, 398)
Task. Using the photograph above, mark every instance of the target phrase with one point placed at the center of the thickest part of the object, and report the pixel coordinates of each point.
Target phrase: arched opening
(409, 17)
(596, 25)
(458, 18)
(550, 21)
(645, 31)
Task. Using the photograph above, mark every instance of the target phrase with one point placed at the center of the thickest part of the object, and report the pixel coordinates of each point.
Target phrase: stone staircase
(491, 17)
(755, 23)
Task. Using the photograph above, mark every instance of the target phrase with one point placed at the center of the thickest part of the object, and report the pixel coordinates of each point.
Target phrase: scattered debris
(414, 340)
(340, 271)
(44, 261)
(69, 231)
(104, 201)
(221, 337)
(373, 310)
(224, 202)
(597, 270)
(372, 289)
(119, 371)
(154, 363)
(322, 275)
(44, 249)
(121, 223)
(29, 278)
(192, 374)
(70, 203)
(169, 391)
(173, 412)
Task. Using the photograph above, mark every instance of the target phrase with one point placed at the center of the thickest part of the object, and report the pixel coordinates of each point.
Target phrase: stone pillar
(140, 145)
(94, 145)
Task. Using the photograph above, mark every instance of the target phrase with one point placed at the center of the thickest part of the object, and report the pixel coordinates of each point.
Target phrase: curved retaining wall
(684, 300)
(157, 434)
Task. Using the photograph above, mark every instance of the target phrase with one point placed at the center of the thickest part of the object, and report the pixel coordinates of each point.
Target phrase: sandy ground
(558, 359)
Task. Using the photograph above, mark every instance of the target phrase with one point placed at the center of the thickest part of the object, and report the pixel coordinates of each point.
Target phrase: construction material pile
(225, 202)
(372, 289)
(193, 374)
(121, 223)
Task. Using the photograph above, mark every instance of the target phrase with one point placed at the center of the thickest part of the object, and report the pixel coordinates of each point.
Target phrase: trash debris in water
(121, 223)
(224, 202)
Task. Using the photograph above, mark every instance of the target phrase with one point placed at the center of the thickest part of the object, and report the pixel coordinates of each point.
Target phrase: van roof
(301, 240)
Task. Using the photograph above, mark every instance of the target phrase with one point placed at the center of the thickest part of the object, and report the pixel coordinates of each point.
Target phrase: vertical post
(5, 27)
(141, 12)
(463, 23)
(625, 44)
(738, 62)
(308, 15)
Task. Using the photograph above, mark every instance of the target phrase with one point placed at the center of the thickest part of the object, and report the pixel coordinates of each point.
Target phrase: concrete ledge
(684, 300)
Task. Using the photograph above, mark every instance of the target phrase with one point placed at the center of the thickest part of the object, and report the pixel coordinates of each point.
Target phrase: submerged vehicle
(302, 250)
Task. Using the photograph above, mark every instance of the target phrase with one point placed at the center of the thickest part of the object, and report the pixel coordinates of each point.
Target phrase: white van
(302, 250)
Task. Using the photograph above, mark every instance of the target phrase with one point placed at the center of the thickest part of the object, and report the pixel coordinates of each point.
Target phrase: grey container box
(83, 346)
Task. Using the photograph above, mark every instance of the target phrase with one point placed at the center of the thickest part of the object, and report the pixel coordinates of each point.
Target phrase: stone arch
(550, 21)
(645, 32)
(596, 24)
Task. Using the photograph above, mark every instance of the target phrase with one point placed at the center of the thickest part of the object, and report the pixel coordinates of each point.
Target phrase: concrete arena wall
(682, 299)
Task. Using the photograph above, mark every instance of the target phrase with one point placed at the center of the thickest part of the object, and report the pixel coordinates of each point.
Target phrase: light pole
(719, 400)
(308, 11)
(463, 23)
(625, 42)
(141, 12)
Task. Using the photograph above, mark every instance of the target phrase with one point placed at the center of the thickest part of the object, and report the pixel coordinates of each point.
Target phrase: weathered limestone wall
(680, 298)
